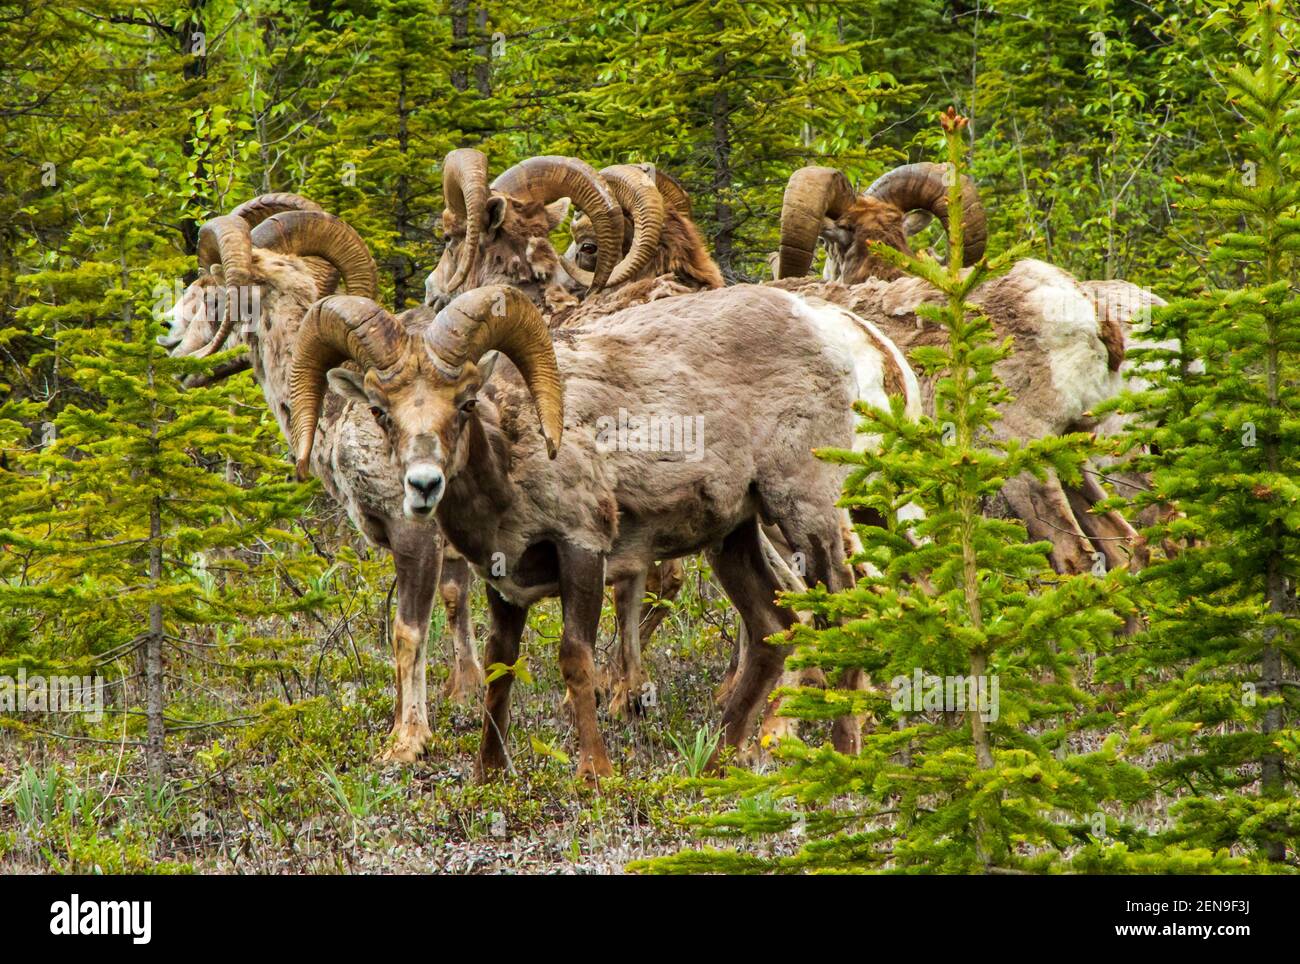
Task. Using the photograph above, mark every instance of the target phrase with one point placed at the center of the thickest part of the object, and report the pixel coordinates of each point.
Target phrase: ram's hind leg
(625, 695)
(663, 582)
(506, 628)
(1046, 512)
(416, 557)
(815, 536)
(1111, 534)
(466, 676)
(743, 570)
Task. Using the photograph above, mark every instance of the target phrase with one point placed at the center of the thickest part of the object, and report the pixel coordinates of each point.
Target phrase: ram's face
(848, 241)
(583, 249)
(424, 415)
(514, 248)
(192, 321)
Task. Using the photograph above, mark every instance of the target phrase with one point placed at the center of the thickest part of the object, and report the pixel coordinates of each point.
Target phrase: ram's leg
(416, 557)
(582, 592)
(750, 584)
(1047, 515)
(1110, 533)
(506, 628)
(466, 676)
(625, 695)
(815, 537)
(664, 582)
(738, 649)
(776, 727)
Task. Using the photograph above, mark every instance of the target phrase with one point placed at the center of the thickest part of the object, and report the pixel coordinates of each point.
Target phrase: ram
(292, 253)
(506, 454)
(1065, 362)
(500, 233)
(659, 210)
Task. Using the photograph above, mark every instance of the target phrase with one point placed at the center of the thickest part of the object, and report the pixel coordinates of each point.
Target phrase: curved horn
(811, 195)
(637, 194)
(258, 209)
(465, 192)
(924, 187)
(551, 177)
(315, 233)
(671, 190)
(225, 240)
(503, 318)
(335, 330)
(263, 206)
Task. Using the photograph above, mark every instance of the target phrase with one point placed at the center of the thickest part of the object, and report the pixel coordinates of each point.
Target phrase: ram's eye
(380, 416)
(467, 406)
(588, 247)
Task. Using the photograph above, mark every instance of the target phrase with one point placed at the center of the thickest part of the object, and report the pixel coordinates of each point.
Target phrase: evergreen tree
(730, 97)
(1214, 673)
(127, 498)
(973, 644)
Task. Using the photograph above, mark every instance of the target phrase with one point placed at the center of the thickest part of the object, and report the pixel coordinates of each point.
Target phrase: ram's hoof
(593, 767)
(628, 698)
(463, 685)
(407, 743)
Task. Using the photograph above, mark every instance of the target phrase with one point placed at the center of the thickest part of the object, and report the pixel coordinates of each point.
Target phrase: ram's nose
(424, 484)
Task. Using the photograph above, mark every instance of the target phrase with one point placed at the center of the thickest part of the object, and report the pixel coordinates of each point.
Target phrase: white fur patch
(1070, 335)
(862, 345)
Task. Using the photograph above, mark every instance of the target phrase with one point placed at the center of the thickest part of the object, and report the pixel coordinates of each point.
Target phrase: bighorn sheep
(501, 234)
(293, 253)
(508, 454)
(678, 249)
(1064, 362)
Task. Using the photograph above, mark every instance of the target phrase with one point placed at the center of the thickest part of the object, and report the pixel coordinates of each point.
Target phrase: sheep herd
(530, 422)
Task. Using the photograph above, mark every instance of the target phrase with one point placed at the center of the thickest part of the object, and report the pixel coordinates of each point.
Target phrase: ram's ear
(556, 212)
(495, 212)
(916, 221)
(349, 384)
(832, 233)
(486, 364)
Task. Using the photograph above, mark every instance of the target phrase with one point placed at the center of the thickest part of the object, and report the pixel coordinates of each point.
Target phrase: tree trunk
(196, 68)
(483, 66)
(402, 267)
(155, 756)
(723, 214)
(459, 38)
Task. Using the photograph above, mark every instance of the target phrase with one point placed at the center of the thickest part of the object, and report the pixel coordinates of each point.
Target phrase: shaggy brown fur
(353, 461)
(532, 526)
(514, 250)
(1049, 399)
(869, 219)
(682, 252)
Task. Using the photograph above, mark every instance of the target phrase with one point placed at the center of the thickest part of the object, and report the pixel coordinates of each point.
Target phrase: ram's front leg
(1048, 517)
(582, 592)
(417, 558)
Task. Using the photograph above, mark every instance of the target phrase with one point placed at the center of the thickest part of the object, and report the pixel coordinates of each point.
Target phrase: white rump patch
(862, 345)
(1070, 335)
